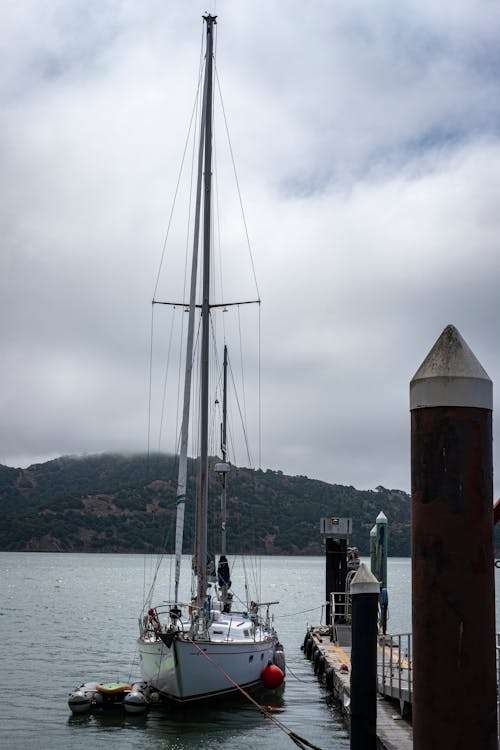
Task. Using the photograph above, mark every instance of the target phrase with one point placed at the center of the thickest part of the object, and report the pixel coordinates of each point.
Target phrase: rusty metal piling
(453, 597)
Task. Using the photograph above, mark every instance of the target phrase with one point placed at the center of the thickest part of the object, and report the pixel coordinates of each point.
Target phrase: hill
(115, 503)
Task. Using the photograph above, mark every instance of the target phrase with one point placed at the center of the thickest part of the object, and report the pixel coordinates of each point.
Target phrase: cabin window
(250, 658)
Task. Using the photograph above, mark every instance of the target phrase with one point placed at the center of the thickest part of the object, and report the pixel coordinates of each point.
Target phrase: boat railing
(156, 623)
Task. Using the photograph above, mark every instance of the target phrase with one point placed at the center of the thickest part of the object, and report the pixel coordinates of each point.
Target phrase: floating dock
(332, 664)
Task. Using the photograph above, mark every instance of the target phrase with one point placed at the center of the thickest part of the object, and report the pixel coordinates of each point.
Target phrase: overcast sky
(367, 142)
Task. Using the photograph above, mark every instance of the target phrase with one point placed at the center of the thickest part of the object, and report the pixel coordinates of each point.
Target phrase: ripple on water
(73, 618)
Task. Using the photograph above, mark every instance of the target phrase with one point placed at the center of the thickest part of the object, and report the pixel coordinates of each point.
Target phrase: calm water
(69, 618)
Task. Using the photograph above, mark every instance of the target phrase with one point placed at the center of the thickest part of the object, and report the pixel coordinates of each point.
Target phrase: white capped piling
(365, 591)
(381, 552)
(381, 548)
(453, 597)
(373, 549)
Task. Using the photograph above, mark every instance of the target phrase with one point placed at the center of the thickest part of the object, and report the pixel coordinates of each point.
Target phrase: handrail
(394, 674)
(395, 658)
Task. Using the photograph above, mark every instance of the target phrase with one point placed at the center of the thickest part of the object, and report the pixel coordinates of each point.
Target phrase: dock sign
(336, 527)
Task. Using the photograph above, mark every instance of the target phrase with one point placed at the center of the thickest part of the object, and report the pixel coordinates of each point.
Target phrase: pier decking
(332, 662)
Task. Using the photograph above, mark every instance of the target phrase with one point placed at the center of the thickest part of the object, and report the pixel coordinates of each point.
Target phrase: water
(70, 618)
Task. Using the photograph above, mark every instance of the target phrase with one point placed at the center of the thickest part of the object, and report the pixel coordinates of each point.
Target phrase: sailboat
(203, 647)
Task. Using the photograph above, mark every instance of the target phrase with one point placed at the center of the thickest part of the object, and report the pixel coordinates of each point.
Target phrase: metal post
(365, 592)
(454, 681)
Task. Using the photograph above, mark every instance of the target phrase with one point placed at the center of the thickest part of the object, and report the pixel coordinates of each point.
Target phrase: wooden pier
(332, 663)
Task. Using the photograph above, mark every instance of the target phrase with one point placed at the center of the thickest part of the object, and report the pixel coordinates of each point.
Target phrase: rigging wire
(165, 380)
(302, 611)
(242, 406)
(217, 241)
(181, 168)
(192, 130)
(165, 242)
(243, 390)
(147, 574)
(245, 435)
(196, 132)
(172, 211)
(150, 385)
(259, 363)
(160, 557)
(237, 182)
(215, 225)
(179, 388)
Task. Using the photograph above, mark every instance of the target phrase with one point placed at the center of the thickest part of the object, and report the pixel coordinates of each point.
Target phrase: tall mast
(182, 472)
(201, 530)
(224, 455)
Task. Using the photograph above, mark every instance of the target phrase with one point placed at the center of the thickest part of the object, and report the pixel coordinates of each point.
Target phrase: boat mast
(224, 455)
(201, 530)
(182, 472)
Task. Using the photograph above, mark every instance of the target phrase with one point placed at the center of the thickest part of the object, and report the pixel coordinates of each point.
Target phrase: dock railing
(395, 672)
(394, 675)
(340, 607)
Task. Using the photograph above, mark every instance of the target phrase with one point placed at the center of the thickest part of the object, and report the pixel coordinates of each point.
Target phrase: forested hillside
(113, 503)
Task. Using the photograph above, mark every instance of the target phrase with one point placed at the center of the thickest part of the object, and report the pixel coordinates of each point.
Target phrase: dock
(383, 679)
(331, 660)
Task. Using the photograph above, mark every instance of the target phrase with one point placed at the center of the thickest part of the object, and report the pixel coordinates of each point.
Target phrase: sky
(367, 143)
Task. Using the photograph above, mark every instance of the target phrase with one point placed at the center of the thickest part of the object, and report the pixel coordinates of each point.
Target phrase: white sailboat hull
(183, 673)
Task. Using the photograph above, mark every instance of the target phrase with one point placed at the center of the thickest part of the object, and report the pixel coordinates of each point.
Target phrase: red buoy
(272, 676)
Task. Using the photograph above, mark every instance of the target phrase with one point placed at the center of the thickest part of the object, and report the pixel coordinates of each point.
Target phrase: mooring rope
(296, 738)
(302, 612)
(299, 679)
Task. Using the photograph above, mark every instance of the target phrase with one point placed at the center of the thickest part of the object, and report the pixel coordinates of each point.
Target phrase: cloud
(368, 156)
